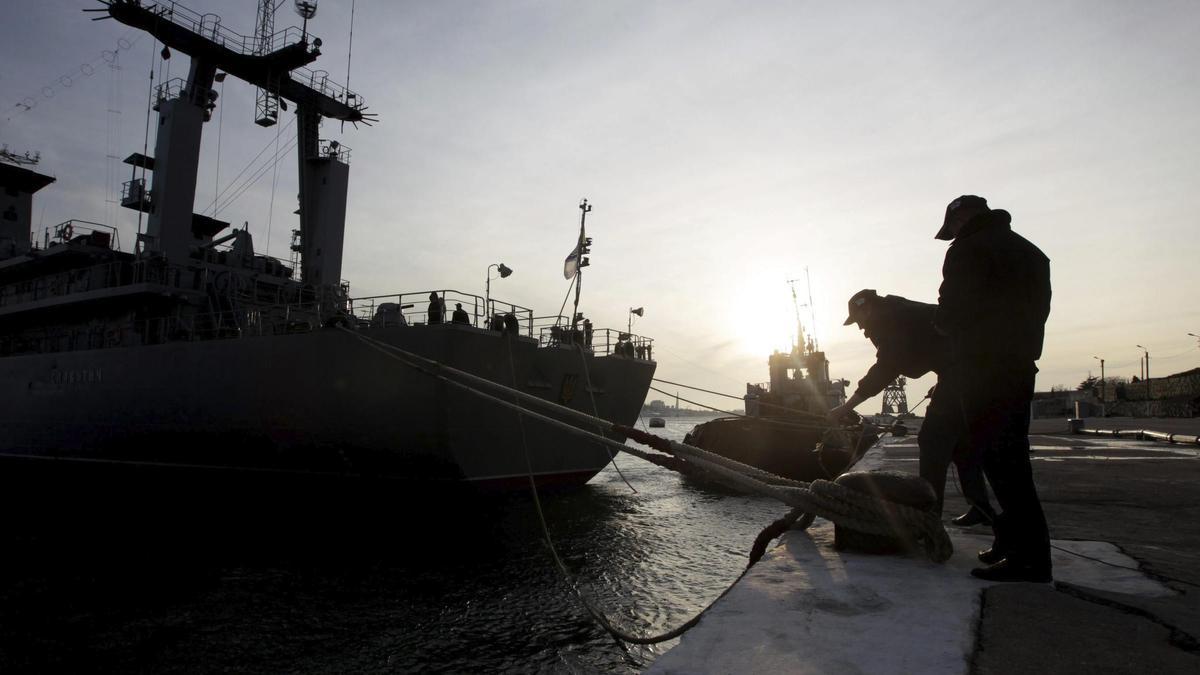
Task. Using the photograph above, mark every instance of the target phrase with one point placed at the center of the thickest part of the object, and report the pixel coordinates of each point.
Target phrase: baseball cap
(963, 202)
(856, 303)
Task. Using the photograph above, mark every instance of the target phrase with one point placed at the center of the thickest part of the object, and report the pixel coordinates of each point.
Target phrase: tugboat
(785, 429)
(194, 352)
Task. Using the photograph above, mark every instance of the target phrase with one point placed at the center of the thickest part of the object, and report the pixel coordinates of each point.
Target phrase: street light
(1146, 373)
(504, 271)
(640, 311)
(1102, 392)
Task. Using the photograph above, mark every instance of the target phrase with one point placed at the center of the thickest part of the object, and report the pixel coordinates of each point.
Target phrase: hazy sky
(726, 147)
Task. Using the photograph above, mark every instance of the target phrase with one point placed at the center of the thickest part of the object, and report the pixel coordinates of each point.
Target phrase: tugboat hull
(785, 447)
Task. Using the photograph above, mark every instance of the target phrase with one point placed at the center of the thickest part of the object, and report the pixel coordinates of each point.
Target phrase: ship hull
(785, 447)
(317, 403)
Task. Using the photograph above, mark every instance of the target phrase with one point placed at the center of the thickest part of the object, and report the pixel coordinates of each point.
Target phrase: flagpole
(584, 208)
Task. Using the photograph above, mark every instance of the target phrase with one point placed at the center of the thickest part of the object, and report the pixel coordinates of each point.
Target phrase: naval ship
(193, 351)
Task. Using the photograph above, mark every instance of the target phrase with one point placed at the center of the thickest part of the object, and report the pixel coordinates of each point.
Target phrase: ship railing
(68, 282)
(319, 81)
(111, 274)
(209, 27)
(556, 331)
(262, 264)
(171, 89)
(99, 234)
(331, 149)
(414, 308)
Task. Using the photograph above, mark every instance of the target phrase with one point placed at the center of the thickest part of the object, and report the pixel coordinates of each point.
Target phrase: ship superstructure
(194, 349)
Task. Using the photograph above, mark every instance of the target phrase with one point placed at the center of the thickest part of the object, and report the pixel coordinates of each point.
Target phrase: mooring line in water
(834, 502)
(587, 385)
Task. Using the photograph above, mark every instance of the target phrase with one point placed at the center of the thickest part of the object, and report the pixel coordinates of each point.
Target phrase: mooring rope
(820, 496)
(834, 502)
(768, 420)
(587, 385)
(784, 408)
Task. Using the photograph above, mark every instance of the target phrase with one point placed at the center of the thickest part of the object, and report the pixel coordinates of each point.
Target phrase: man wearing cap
(993, 304)
(907, 344)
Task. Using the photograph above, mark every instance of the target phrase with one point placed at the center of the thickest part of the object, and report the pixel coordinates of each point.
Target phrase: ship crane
(275, 63)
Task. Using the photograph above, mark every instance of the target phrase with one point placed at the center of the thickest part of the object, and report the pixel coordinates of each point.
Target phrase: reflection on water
(435, 585)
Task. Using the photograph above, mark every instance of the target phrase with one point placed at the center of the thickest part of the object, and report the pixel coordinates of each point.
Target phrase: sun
(763, 323)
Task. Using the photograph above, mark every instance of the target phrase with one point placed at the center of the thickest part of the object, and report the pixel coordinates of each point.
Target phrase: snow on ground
(806, 608)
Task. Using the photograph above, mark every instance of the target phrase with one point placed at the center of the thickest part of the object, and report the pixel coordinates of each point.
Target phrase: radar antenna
(306, 10)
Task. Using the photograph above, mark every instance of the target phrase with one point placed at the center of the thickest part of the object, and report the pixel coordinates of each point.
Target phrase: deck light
(504, 271)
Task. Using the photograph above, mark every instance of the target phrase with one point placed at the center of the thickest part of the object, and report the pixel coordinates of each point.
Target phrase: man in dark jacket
(902, 332)
(993, 304)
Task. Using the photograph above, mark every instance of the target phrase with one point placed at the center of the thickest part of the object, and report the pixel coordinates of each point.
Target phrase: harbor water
(429, 585)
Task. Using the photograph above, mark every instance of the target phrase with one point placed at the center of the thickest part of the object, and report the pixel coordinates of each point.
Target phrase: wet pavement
(1114, 506)
(1143, 497)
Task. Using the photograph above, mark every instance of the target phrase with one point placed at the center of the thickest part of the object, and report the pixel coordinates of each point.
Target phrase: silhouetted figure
(512, 325)
(993, 304)
(587, 332)
(907, 344)
(497, 323)
(641, 351)
(460, 315)
(648, 348)
(436, 309)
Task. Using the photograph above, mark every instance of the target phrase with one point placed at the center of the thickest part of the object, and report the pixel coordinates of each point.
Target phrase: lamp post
(504, 271)
(640, 311)
(1102, 385)
(1146, 375)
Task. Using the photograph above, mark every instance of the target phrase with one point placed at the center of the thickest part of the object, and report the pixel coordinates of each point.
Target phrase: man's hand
(836, 415)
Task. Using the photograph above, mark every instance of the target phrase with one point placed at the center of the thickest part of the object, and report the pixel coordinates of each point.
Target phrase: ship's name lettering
(80, 376)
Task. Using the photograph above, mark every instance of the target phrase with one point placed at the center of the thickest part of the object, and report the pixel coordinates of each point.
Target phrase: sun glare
(762, 324)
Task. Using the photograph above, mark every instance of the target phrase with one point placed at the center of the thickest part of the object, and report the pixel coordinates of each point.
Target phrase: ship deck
(1121, 503)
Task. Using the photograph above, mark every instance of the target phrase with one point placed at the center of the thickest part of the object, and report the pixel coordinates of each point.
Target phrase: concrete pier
(1125, 519)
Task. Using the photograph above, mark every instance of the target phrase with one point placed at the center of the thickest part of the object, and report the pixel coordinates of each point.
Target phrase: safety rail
(414, 309)
(171, 89)
(201, 326)
(555, 331)
(104, 236)
(253, 290)
(134, 195)
(209, 27)
(333, 150)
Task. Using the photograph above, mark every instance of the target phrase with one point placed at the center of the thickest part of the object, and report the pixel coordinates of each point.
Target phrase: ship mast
(275, 63)
(582, 248)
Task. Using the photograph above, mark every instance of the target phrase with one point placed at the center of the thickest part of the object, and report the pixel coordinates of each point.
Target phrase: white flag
(571, 264)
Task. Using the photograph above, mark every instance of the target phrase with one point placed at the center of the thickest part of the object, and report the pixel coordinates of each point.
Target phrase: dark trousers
(943, 439)
(995, 399)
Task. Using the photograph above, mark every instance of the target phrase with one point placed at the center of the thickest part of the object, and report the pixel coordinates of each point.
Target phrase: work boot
(973, 516)
(1014, 570)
